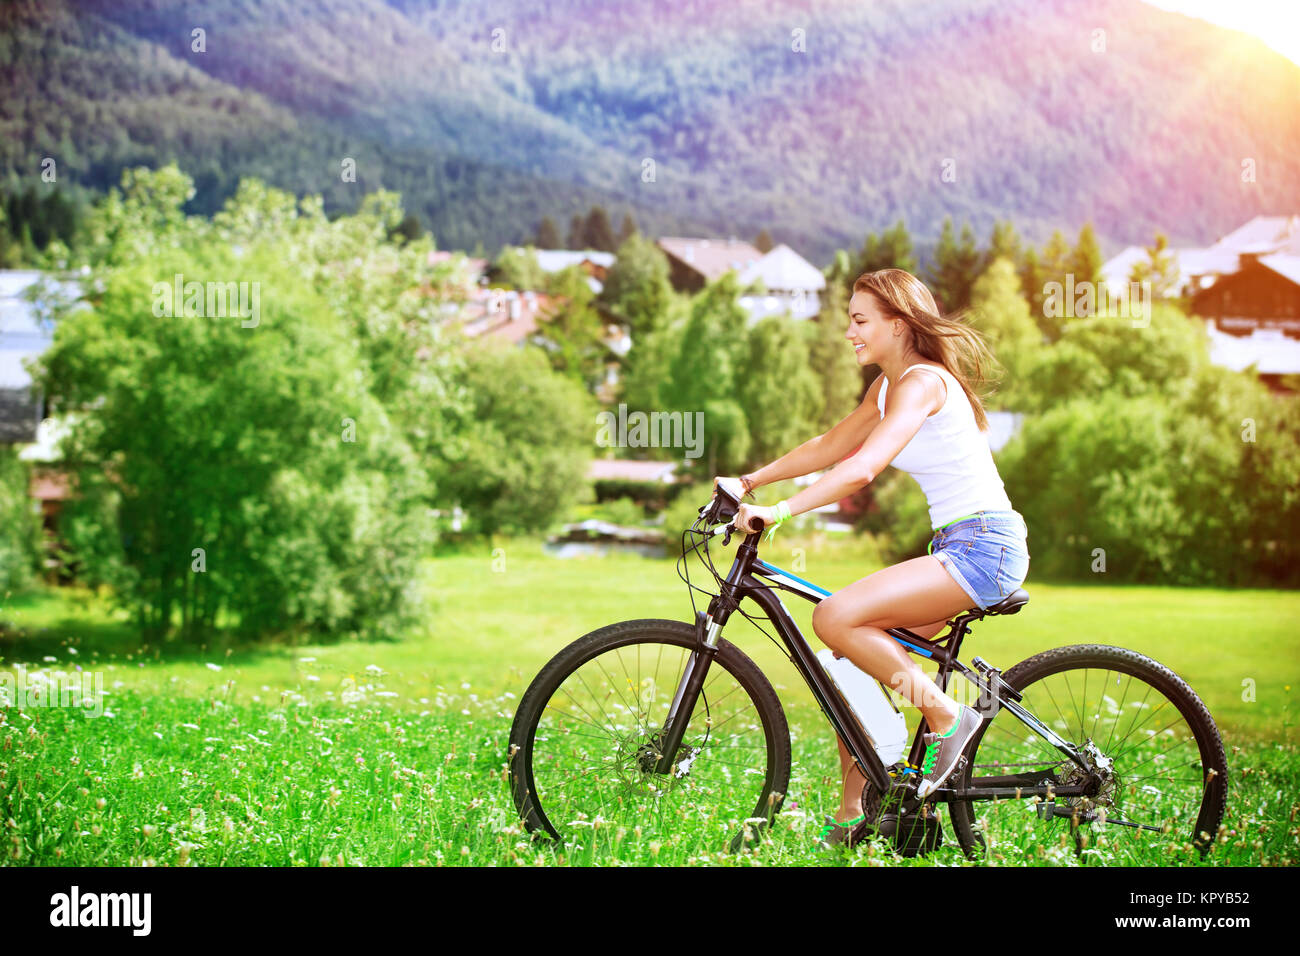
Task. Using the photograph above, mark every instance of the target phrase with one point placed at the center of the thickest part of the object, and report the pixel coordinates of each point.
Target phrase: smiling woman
(931, 426)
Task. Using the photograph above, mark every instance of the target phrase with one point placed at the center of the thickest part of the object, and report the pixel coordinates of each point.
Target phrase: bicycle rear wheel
(1167, 778)
(584, 742)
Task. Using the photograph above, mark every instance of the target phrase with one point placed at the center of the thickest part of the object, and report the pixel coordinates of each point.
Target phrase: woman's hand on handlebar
(747, 516)
(734, 486)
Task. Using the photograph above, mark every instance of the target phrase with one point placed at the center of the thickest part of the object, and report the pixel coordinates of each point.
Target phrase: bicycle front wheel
(586, 740)
(1162, 774)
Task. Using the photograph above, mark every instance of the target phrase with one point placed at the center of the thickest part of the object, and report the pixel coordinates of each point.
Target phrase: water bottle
(880, 719)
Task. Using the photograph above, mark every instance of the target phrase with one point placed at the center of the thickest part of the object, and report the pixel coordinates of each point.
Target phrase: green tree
(517, 268)
(523, 449)
(573, 333)
(956, 267)
(837, 372)
(892, 249)
(627, 230)
(704, 373)
(1000, 313)
(231, 474)
(1004, 243)
(1055, 263)
(637, 288)
(778, 390)
(20, 546)
(1085, 260)
(548, 235)
(597, 233)
(1160, 268)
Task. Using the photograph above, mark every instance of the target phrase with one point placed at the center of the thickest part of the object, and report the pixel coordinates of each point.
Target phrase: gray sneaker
(943, 751)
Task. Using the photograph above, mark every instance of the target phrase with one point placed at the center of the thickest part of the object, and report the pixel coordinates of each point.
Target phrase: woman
(922, 416)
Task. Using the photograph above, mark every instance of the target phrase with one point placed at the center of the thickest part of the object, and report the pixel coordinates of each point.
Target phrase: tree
(1085, 260)
(778, 390)
(627, 230)
(597, 232)
(1004, 243)
(892, 249)
(19, 525)
(637, 287)
(763, 242)
(836, 369)
(704, 373)
(1053, 266)
(409, 229)
(548, 235)
(577, 233)
(524, 444)
(233, 475)
(517, 268)
(999, 312)
(573, 333)
(1160, 269)
(956, 267)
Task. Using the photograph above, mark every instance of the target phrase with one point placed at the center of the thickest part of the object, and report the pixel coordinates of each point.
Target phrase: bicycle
(625, 743)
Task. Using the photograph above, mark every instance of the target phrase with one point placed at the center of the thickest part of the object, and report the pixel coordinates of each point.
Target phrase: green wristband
(782, 510)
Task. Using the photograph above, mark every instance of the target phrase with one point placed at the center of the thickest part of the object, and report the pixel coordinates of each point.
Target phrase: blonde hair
(947, 340)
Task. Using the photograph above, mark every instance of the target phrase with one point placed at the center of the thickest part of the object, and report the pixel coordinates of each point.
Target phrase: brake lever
(726, 538)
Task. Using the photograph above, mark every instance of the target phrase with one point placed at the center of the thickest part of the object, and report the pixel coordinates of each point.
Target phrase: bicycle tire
(1118, 660)
(532, 805)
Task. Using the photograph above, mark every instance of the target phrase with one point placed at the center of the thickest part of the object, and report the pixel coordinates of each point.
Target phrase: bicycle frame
(741, 582)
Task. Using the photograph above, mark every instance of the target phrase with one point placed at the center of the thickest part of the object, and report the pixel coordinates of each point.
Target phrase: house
(624, 469)
(1252, 310)
(520, 316)
(792, 283)
(1247, 288)
(594, 263)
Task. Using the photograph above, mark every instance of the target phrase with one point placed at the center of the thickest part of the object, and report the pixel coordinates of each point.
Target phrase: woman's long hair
(943, 339)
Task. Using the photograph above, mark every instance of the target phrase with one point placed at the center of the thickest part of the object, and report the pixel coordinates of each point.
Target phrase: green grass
(393, 752)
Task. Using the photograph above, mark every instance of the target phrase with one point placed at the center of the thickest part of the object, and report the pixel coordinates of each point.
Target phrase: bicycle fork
(688, 690)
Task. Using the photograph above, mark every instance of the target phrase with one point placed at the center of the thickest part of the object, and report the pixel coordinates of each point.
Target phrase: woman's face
(870, 331)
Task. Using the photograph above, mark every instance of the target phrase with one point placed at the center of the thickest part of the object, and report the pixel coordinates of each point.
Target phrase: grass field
(394, 752)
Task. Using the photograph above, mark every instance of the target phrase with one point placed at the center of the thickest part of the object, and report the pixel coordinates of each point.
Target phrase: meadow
(393, 752)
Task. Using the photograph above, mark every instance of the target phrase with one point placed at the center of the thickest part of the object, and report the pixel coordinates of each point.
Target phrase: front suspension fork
(688, 690)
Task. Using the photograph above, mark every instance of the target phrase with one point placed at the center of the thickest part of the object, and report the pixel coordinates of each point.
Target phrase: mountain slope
(489, 115)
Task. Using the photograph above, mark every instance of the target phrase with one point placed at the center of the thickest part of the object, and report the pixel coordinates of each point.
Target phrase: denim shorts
(986, 554)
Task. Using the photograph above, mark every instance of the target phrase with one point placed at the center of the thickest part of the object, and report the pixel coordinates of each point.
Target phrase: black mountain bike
(663, 724)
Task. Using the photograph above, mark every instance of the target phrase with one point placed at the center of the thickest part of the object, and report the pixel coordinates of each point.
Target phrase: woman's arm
(910, 401)
(824, 450)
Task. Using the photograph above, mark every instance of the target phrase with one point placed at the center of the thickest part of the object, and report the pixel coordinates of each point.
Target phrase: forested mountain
(818, 124)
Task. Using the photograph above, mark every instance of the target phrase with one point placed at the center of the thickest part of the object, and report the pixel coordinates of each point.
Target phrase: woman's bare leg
(851, 622)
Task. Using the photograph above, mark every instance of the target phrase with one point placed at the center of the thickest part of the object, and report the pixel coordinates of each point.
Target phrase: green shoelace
(932, 751)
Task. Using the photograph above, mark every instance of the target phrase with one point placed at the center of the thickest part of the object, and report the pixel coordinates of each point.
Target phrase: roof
(1287, 266)
(476, 267)
(505, 313)
(783, 269)
(553, 260)
(711, 258)
(626, 470)
(1263, 234)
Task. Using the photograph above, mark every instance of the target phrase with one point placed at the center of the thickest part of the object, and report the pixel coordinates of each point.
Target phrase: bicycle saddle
(1010, 604)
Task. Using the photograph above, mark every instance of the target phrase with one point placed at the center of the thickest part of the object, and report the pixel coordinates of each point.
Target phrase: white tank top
(950, 458)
